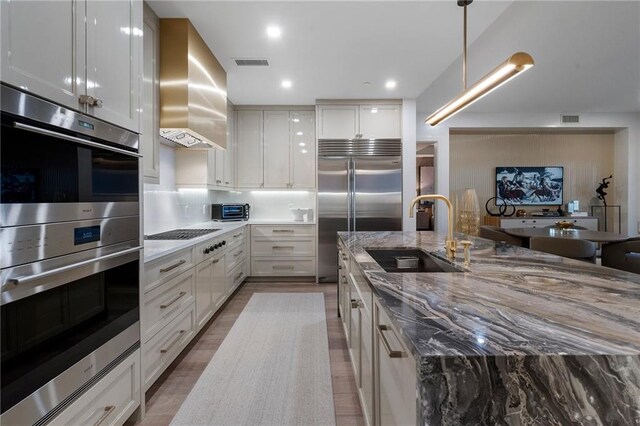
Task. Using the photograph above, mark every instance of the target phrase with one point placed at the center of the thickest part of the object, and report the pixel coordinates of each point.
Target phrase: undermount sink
(410, 260)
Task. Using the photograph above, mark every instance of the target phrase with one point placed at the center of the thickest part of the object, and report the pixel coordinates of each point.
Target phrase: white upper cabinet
(303, 149)
(338, 121)
(43, 48)
(371, 121)
(114, 38)
(150, 137)
(286, 145)
(380, 121)
(219, 169)
(276, 149)
(229, 153)
(48, 47)
(249, 149)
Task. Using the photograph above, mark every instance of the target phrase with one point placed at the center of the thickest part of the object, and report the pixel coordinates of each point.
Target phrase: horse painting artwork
(530, 186)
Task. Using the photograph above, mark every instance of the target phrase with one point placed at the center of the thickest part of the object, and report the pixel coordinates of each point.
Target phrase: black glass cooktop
(180, 234)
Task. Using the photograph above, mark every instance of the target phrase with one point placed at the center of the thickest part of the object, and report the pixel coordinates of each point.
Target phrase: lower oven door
(68, 326)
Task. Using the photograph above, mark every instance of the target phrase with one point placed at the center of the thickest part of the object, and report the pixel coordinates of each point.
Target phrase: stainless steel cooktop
(180, 234)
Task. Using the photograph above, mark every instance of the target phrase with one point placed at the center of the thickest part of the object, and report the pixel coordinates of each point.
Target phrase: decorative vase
(469, 220)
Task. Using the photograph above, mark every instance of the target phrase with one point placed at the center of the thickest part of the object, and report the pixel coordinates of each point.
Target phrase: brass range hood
(193, 88)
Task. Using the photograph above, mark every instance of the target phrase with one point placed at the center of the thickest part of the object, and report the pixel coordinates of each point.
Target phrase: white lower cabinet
(165, 302)
(165, 346)
(590, 223)
(110, 401)
(283, 250)
(395, 380)
(211, 285)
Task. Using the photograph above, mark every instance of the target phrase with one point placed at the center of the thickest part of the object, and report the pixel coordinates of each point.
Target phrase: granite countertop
(155, 249)
(511, 301)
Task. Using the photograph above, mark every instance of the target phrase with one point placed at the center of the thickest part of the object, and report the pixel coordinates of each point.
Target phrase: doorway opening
(425, 184)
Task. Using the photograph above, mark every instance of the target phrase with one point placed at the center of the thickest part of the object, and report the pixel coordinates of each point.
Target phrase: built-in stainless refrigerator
(359, 189)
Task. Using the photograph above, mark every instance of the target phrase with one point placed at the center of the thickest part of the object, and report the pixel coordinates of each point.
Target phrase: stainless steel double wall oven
(70, 246)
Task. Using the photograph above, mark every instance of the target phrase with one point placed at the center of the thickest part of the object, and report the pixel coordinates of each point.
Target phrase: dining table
(581, 234)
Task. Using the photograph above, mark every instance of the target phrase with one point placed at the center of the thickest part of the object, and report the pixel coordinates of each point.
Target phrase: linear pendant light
(513, 66)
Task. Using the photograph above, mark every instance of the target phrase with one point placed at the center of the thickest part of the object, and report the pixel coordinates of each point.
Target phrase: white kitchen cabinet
(229, 162)
(45, 59)
(249, 152)
(200, 168)
(303, 150)
(354, 330)
(395, 373)
(380, 121)
(114, 41)
(367, 121)
(276, 149)
(220, 162)
(66, 49)
(204, 296)
(338, 121)
(150, 136)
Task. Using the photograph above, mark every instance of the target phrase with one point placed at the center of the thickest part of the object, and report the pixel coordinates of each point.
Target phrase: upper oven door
(49, 176)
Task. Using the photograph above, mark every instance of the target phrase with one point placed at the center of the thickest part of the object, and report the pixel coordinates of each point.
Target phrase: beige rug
(271, 369)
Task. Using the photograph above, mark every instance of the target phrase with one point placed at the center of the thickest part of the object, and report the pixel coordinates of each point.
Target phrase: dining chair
(624, 255)
(573, 227)
(497, 234)
(565, 247)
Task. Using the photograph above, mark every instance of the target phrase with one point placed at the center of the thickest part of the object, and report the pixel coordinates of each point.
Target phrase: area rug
(272, 368)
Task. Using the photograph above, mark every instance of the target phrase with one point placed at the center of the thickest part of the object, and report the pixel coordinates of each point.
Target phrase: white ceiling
(328, 49)
(587, 53)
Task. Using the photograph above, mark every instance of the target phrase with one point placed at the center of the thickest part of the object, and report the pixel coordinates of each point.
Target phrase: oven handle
(73, 139)
(24, 280)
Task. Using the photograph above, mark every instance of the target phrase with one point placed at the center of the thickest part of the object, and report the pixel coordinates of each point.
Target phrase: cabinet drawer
(110, 401)
(235, 256)
(293, 266)
(236, 237)
(283, 230)
(167, 267)
(165, 302)
(165, 346)
(283, 247)
(236, 277)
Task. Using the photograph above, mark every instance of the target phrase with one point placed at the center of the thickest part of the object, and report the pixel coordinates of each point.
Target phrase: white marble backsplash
(166, 207)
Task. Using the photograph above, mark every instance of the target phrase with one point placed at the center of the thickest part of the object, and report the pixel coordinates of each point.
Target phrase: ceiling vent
(570, 119)
(252, 62)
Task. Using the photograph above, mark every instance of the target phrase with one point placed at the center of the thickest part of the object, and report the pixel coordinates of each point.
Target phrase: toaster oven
(229, 212)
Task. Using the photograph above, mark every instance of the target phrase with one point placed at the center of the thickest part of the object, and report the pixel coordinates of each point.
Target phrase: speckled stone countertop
(521, 337)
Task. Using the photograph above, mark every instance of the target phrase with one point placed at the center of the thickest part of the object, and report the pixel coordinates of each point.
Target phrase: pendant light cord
(464, 50)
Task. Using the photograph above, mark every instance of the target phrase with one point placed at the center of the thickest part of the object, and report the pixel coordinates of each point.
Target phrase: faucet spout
(450, 243)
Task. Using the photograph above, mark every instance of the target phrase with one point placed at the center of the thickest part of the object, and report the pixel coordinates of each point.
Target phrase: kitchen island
(518, 337)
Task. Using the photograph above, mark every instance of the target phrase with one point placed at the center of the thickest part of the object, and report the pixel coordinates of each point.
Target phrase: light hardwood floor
(170, 390)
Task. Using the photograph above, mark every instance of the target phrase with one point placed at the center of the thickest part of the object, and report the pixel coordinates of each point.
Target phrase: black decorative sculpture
(600, 190)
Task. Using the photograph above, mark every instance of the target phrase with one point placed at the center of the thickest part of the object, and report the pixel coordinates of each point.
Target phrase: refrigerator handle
(353, 194)
(349, 195)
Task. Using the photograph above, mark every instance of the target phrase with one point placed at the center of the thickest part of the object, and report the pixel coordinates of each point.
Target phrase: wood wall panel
(586, 159)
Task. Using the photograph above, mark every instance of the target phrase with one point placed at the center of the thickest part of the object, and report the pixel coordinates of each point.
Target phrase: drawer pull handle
(172, 344)
(283, 247)
(237, 235)
(283, 267)
(355, 304)
(290, 231)
(107, 410)
(174, 300)
(172, 267)
(385, 343)
(238, 275)
(215, 261)
(238, 253)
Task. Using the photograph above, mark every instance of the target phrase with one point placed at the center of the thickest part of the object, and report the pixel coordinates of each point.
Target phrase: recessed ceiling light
(274, 32)
(374, 110)
(299, 133)
(302, 144)
(390, 84)
(304, 151)
(296, 120)
(287, 84)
